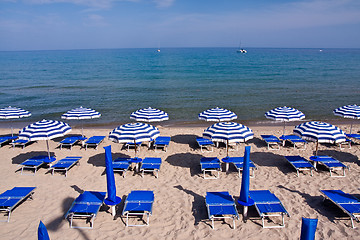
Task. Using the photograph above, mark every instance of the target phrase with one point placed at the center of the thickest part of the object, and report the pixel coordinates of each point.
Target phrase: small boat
(241, 50)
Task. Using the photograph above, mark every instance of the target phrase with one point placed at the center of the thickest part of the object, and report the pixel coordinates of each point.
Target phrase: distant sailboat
(241, 50)
(158, 50)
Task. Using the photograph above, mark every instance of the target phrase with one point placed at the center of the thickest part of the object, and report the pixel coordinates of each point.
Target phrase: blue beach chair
(121, 165)
(12, 198)
(271, 140)
(150, 165)
(20, 143)
(295, 140)
(268, 205)
(210, 165)
(239, 164)
(129, 145)
(300, 164)
(70, 141)
(86, 205)
(65, 164)
(36, 162)
(94, 141)
(220, 205)
(162, 142)
(6, 139)
(139, 203)
(205, 143)
(330, 163)
(355, 138)
(346, 202)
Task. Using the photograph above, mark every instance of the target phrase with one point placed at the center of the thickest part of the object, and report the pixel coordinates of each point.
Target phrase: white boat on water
(241, 50)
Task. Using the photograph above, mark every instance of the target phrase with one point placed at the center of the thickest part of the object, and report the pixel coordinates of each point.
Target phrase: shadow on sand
(186, 160)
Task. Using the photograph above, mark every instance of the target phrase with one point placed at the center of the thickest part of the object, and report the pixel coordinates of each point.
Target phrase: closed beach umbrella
(42, 232)
(320, 132)
(217, 115)
(149, 115)
(81, 113)
(13, 113)
(112, 199)
(308, 228)
(348, 111)
(44, 130)
(244, 198)
(228, 132)
(284, 114)
(134, 132)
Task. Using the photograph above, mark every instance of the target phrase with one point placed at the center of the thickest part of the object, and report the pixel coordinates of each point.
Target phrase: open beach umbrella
(348, 111)
(111, 200)
(134, 132)
(244, 198)
(13, 113)
(42, 232)
(217, 115)
(81, 113)
(228, 132)
(308, 228)
(320, 132)
(44, 130)
(284, 114)
(149, 115)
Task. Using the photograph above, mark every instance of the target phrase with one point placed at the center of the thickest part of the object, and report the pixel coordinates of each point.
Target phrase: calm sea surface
(180, 81)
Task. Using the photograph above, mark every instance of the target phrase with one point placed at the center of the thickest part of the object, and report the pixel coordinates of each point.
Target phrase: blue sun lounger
(129, 145)
(65, 164)
(121, 165)
(162, 142)
(86, 205)
(268, 205)
(20, 143)
(300, 164)
(348, 203)
(6, 139)
(271, 140)
(150, 165)
(70, 141)
(11, 198)
(239, 164)
(36, 162)
(295, 140)
(220, 205)
(139, 203)
(94, 141)
(330, 163)
(210, 165)
(355, 138)
(205, 143)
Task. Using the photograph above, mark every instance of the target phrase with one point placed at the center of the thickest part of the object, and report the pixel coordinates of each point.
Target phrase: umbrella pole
(48, 150)
(135, 147)
(82, 129)
(284, 128)
(317, 147)
(245, 213)
(227, 147)
(351, 126)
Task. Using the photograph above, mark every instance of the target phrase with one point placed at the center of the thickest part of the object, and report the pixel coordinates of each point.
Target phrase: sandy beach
(179, 210)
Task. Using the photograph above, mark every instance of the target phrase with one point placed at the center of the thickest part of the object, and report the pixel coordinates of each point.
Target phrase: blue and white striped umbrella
(149, 115)
(81, 113)
(320, 132)
(228, 132)
(348, 111)
(44, 130)
(285, 114)
(13, 113)
(217, 115)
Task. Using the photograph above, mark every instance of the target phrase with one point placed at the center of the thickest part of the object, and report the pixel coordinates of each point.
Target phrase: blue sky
(87, 24)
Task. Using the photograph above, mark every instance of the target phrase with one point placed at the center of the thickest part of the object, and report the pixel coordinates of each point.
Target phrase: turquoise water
(180, 81)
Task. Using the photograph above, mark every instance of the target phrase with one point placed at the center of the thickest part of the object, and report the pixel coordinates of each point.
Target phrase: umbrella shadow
(341, 156)
(98, 160)
(323, 207)
(269, 159)
(189, 139)
(24, 156)
(258, 142)
(186, 160)
(198, 205)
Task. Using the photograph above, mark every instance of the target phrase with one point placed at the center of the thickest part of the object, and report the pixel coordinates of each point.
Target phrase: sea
(180, 81)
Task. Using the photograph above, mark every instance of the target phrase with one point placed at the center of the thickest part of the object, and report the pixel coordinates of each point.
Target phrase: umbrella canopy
(136, 132)
(13, 113)
(149, 115)
(284, 114)
(320, 132)
(348, 111)
(81, 113)
(308, 228)
(44, 130)
(217, 115)
(42, 232)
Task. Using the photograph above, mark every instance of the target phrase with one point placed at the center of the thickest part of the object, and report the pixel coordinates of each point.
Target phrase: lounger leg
(212, 223)
(8, 220)
(352, 222)
(233, 222)
(297, 172)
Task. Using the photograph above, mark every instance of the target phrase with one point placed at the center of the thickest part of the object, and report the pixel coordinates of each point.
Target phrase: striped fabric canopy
(217, 115)
(285, 114)
(137, 132)
(149, 115)
(348, 111)
(13, 112)
(81, 113)
(44, 130)
(320, 132)
(228, 132)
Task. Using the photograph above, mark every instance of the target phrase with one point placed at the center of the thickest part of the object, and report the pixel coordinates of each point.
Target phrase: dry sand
(179, 210)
